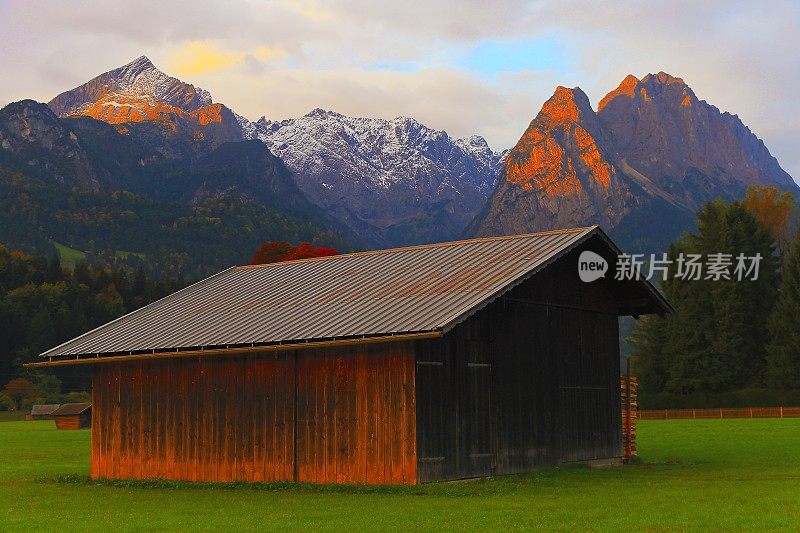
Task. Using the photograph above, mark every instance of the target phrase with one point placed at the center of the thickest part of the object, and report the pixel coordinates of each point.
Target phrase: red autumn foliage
(19, 389)
(276, 251)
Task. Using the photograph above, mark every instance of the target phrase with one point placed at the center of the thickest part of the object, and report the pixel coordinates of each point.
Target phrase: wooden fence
(628, 393)
(723, 412)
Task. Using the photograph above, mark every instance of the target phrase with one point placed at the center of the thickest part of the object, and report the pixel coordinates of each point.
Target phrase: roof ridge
(564, 231)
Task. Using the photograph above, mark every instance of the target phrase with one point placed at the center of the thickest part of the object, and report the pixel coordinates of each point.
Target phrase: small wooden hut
(73, 416)
(437, 362)
(42, 412)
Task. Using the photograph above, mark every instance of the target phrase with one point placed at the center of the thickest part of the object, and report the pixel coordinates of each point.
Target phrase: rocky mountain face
(686, 146)
(33, 138)
(89, 154)
(135, 92)
(639, 166)
(150, 166)
(187, 147)
(248, 170)
(388, 182)
(74, 152)
(393, 182)
(177, 117)
(559, 174)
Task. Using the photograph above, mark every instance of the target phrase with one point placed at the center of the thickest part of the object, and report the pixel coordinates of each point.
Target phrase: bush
(78, 397)
(50, 387)
(20, 390)
(6, 403)
(28, 403)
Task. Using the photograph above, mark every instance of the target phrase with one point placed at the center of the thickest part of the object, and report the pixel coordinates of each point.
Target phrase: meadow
(692, 475)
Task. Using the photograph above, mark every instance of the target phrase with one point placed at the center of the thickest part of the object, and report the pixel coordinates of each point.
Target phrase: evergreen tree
(649, 361)
(42, 305)
(744, 306)
(715, 341)
(783, 350)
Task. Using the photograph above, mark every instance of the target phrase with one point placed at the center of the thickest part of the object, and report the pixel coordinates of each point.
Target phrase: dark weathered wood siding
(230, 418)
(531, 380)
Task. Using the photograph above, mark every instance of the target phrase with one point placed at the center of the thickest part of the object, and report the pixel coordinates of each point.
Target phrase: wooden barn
(437, 362)
(42, 411)
(73, 416)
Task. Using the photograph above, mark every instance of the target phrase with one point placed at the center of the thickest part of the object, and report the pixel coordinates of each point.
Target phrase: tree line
(43, 304)
(728, 334)
(120, 229)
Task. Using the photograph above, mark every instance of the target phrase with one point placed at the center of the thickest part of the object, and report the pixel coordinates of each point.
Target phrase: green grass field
(69, 256)
(695, 475)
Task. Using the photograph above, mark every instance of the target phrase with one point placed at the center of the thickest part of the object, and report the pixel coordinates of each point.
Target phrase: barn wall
(231, 418)
(207, 419)
(531, 380)
(588, 389)
(69, 422)
(357, 415)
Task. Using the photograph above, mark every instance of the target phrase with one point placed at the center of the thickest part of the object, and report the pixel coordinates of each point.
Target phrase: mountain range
(639, 166)
(158, 169)
(393, 182)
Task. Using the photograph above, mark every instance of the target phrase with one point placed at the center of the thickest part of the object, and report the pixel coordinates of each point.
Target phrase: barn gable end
(531, 380)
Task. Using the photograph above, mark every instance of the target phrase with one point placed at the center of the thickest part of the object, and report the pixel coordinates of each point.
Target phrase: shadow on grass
(476, 487)
(502, 485)
(637, 462)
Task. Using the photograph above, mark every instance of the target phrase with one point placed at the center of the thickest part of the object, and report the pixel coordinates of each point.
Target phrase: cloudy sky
(464, 66)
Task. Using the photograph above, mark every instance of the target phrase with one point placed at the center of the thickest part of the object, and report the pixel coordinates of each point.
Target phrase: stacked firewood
(629, 410)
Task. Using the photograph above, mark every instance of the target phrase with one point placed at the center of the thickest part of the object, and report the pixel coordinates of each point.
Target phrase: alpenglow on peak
(133, 92)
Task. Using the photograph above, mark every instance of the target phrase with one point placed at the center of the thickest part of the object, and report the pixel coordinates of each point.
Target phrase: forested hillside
(727, 334)
(116, 228)
(43, 304)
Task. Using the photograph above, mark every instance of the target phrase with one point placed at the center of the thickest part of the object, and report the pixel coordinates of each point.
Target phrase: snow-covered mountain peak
(407, 122)
(474, 140)
(390, 151)
(322, 114)
(137, 89)
(375, 174)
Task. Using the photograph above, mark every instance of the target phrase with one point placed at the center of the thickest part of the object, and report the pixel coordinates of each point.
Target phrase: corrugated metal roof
(70, 409)
(403, 290)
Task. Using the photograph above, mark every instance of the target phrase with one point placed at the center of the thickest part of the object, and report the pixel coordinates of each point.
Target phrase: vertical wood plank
(372, 421)
(396, 419)
(410, 417)
(320, 421)
(269, 417)
(362, 406)
(115, 424)
(96, 424)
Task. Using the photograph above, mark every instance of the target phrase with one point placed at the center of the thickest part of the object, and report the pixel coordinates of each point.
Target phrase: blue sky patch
(493, 57)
